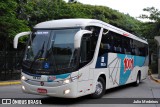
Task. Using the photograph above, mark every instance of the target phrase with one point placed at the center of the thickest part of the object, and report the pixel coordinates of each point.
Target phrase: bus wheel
(100, 88)
(138, 80)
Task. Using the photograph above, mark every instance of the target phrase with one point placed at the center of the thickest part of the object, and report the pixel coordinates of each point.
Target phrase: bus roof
(68, 23)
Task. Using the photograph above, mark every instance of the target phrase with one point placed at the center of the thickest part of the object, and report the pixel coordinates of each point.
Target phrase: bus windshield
(51, 51)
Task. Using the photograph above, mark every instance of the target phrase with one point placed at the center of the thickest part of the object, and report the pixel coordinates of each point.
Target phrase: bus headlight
(23, 87)
(67, 91)
(23, 78)
(67, 81)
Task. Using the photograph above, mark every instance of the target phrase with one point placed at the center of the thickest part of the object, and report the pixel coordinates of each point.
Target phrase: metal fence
(10, 64)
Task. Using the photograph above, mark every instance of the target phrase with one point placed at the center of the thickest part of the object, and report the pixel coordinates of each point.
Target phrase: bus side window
(141, 49)
(105, 45)
(146, 49)
(85, 48)
(126, 45)
(133, 51)
(88, 45)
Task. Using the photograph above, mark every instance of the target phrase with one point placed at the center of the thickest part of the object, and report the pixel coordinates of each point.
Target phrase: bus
(70, 58)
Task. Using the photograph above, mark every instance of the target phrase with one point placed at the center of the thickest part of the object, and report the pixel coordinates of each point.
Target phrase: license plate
(41, 90)
(36, 78)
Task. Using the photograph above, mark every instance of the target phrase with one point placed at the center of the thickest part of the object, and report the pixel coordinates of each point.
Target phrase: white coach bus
(75, 57)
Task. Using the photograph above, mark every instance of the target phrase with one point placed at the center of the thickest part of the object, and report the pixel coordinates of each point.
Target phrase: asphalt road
(147, 89)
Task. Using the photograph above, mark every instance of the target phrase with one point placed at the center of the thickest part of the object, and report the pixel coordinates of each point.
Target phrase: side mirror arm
(78, 37)
(15, 41)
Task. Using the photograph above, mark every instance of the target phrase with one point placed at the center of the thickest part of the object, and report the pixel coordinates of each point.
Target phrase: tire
(138, 80)
(100, 88)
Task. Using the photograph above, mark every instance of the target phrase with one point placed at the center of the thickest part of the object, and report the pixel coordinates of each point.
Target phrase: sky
(132, 7)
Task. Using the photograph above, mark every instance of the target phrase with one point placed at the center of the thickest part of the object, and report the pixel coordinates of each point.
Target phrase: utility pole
(157, 38)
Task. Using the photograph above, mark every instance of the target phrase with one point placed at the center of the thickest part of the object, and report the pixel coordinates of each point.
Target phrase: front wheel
(100, 88)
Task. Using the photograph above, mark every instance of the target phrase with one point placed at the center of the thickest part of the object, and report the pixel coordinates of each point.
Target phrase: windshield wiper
(72, 58)
(39, 53)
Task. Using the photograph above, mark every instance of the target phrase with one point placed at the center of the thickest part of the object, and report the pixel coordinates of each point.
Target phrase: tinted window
(116, 43)
(88, 45)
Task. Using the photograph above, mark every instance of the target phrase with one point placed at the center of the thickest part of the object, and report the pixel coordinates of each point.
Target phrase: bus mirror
(15, 41)
(78, 37)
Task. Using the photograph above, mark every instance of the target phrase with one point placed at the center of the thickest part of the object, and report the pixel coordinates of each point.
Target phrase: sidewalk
(11, 82)
(155, 78)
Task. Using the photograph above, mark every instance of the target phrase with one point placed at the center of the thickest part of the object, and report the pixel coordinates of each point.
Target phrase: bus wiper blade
(39, 53)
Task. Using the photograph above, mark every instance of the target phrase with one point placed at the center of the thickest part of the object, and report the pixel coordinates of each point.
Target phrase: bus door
(87, 48)
(86, 55)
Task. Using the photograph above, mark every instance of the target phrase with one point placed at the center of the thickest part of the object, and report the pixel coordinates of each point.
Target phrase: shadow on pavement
(65, 101)
(123, 87)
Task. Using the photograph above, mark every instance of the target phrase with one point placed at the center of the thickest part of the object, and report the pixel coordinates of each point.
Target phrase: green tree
(150, 30)
(154, 16)
(10, 25)
(20, 15)
(43, 10)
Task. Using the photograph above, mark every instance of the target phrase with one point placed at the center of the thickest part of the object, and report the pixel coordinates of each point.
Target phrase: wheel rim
(99, 88)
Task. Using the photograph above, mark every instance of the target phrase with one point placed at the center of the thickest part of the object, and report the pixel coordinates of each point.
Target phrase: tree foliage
(20, 15)
(154, 14)
(151, 29)
(10, 25)
(42, 10)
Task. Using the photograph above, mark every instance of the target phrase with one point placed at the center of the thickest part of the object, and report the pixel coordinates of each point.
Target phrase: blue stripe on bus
(62, 76)
(138, 61)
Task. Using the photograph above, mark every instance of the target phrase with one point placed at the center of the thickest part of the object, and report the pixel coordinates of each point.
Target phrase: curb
(153, 78)
(4, 83)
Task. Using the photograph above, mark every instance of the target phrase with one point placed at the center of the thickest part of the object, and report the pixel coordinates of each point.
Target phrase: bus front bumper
(65, 91)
